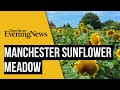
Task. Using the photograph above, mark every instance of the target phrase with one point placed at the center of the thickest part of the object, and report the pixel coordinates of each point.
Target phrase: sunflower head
(87, 66)
(95, 39)
(116, 36)
(118, 53)
(100, 32)
(89, 43)
(59, 30)
(81, 25)
(77, 33)
(84, 30)
(110, 33)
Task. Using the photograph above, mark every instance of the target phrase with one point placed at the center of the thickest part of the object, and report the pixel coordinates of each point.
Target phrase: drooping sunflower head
(59, 30)
(95, 39)
(81, 25)
(77, 33)
(110, 33)
(116, 36)
(84, 30)
(118, 53)
(87, 66)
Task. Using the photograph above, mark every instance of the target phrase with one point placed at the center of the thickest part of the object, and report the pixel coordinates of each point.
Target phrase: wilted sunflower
(110, 33)
(88, 66)
(116, 36)
(59, 30)
(118, 53)
(81, 25)
(95, 39)
(77, 33)
(85, 30)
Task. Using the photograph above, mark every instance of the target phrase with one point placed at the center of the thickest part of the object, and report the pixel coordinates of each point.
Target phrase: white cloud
(51, 11)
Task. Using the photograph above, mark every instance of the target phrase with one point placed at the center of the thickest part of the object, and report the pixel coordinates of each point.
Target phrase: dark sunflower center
(91, 69)
(119, 52)
(81, 25)
(89, 43)
(84, 30)
(77, 33)
(110, 32)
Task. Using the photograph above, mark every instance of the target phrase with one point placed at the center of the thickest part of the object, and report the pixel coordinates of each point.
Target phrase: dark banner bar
(23, 67)
(59, 5)
(58, 52)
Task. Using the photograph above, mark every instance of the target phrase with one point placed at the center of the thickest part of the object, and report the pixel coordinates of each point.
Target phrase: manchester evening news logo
(24, 33)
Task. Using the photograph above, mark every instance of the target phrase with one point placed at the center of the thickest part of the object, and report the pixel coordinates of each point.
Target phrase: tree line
(93, 20)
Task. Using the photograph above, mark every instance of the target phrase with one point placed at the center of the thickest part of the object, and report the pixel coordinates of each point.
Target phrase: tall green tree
(92, 19)
(68, 25)
(64, 26)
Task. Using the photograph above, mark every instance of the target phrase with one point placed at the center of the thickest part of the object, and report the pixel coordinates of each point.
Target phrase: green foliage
(92, 19)
(67, 25)
(106, 28)
(107, 23)
(111, 24)
(109, 69)
(116, 25)
(89, 26)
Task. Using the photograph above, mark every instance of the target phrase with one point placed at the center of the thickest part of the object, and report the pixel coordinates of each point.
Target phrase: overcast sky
(73, 17)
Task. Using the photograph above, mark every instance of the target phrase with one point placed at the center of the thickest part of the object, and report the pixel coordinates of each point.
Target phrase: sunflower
(95, 39)
(118, 53)
(59, 30)
(116, 36)
(89, 43)
(77, 33)
(87, 66)
(110, 33)
(100, 32)
(81, 25)
(85, 30)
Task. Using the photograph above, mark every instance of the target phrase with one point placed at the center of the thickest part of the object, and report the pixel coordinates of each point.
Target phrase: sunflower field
(89, 69)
